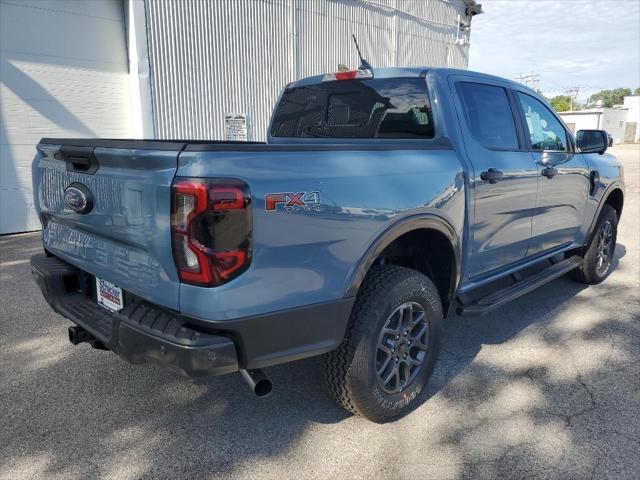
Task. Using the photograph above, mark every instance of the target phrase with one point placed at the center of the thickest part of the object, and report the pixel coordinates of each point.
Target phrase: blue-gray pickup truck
(384, 201)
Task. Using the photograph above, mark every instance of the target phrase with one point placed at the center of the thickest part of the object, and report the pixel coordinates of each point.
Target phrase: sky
(569, 43)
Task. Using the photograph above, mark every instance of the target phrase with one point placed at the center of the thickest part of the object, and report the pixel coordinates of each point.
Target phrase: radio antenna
(364, 65)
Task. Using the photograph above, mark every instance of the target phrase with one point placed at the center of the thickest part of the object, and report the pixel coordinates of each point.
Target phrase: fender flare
(605, 196)
(395, 231)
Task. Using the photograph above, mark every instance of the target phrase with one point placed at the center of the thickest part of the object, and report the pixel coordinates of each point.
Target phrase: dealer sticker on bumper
(109, 295)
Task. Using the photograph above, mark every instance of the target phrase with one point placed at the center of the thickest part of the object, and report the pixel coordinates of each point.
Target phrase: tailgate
(123, 233)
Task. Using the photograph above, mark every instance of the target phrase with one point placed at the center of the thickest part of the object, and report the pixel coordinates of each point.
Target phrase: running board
(494, 300)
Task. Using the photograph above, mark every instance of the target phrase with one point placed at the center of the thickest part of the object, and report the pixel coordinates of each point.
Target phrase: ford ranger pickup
(384, 201)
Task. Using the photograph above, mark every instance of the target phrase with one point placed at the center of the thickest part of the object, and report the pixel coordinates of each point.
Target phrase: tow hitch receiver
(79, 335)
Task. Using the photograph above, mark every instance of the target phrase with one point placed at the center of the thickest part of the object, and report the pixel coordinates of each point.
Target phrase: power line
(531, 80)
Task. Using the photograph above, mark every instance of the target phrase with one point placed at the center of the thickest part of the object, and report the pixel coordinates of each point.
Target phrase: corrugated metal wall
(209, 58)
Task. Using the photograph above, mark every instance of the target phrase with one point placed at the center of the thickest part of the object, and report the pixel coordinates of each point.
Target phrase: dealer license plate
(109, 295)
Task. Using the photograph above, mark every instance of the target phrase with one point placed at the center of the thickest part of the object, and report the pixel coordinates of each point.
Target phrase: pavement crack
(587, 389)
(592, 403)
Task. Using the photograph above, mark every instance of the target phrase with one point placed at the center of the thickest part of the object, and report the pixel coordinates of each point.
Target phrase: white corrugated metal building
(175, 68)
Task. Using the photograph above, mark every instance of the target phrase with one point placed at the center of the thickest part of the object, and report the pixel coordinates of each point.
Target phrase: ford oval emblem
(78, 198)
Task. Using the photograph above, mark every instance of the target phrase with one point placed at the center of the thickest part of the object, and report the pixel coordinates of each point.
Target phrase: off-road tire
(589, 273)
(350, 370)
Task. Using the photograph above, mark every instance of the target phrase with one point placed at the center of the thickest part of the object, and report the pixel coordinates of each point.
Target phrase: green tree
(610, 98)
(636, 91)
(561, 103)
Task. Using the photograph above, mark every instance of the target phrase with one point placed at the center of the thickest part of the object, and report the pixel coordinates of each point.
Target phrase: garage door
(63, 73)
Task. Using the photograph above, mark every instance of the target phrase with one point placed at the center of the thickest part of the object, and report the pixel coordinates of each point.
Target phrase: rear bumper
(143, 332)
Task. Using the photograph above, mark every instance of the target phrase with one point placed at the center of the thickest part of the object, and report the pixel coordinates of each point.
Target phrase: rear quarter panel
(307, 257)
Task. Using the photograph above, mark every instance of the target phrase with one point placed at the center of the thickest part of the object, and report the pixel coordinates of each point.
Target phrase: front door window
(545, 131)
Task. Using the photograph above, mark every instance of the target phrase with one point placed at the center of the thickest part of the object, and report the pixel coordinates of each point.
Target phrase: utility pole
(531, 80)
(573, 94)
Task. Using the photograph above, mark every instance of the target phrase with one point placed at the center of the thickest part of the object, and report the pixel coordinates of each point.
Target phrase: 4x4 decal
(292, 201)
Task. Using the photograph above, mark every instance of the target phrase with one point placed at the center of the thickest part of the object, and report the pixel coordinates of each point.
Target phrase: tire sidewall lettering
(405, 398)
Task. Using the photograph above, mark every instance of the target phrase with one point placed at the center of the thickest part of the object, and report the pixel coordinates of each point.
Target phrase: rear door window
(489, 115)
(372, 108)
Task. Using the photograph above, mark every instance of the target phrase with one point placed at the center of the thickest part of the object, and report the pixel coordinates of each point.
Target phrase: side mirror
(592, 141)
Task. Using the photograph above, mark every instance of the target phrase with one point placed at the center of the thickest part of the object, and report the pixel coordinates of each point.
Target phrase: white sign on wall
(235, 127)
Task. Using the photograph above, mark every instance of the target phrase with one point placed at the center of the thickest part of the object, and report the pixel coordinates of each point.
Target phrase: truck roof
(413, 72)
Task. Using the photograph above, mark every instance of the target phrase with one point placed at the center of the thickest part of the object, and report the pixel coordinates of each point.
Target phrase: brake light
(211, 229)
(347, 75)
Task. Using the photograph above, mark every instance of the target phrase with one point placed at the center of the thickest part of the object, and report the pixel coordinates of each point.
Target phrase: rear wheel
(381, 368)
(599, 253)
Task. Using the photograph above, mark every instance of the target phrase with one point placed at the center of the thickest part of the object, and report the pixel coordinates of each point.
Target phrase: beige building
(632, 131)
(613, 120)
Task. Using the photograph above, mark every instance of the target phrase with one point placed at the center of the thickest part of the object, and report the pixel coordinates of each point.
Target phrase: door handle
(492, 175)
(549, 172)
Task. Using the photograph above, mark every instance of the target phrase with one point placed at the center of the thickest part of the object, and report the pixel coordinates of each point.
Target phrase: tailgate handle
(80, 159)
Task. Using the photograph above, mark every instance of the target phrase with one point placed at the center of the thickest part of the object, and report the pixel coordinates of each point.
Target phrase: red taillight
(223, 198)
(211, 229)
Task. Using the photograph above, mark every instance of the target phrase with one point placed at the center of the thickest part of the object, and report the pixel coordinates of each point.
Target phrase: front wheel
(599, 252)
(390, 348)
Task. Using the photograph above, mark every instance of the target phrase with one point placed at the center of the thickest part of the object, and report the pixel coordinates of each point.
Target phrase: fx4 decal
(292, 202)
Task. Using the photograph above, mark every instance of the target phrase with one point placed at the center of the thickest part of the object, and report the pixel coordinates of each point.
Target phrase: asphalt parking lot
(547, 387)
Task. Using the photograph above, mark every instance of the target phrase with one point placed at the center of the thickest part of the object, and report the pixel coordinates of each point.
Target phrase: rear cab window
(387, 108)
(489, 115)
